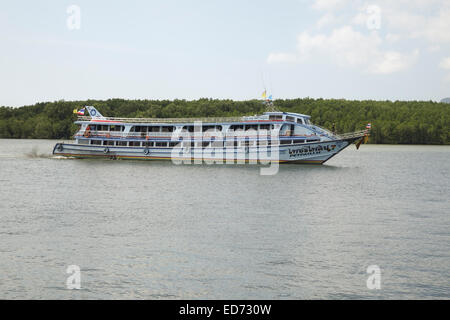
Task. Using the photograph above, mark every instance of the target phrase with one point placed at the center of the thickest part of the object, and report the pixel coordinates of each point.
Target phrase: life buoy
(106, 150)
(146, 151)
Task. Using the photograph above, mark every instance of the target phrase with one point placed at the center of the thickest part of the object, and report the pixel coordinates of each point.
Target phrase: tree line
(393, 122)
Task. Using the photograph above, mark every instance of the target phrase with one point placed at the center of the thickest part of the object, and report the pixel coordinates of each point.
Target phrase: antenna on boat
(268, 101)
(269, 105)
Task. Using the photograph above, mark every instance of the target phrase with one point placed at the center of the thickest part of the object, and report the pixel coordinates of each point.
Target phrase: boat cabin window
(153, 129)
(121, 143)
(139, 129)
(299, 141)
(161, 144)
(108, 143)
(287, 130)
(289, 118)
(167, 129)
(251, 127)
(96, 142)
(211, 128)
(147, 144)
(286, 141)
(103, 128)
(188, 128)
(135, 144)
(117, 128)
(264, 126)
(300, 120)
(237, 127)
(275, 117)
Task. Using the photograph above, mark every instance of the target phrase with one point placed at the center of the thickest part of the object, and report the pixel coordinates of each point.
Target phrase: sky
(352, 49)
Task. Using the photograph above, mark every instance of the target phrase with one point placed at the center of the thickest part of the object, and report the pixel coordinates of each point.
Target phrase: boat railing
(147, 135)
(144, 135)
(164, 120)
(355, 134)
(322, 131)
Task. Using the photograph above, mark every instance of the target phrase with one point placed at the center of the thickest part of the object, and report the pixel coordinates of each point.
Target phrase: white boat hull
(313, 153)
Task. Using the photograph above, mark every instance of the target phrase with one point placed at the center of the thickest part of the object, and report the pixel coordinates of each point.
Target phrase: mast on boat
(268, 102)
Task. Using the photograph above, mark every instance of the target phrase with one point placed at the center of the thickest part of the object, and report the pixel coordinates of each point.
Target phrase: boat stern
(58, 148)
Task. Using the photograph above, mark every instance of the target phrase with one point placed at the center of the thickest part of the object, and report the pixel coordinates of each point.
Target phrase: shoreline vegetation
(393, 122)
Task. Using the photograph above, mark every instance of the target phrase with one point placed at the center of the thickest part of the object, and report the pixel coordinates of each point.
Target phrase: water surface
(154, 230)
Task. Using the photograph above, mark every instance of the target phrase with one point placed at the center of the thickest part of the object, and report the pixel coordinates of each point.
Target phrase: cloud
(393, 61)
(373, 36)
(445, 63)
(326, 20)
(437, 29)
(390, 37)
(348, 48)
(428, 20)
(414, 19)
(327, 4)
(434, 48)
(359, 19)
(434, 30)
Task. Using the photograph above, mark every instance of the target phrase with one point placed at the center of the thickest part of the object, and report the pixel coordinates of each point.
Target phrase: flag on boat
(368, 126)
(75, 111)
(81, 112)
(264, 94)
(270, 97)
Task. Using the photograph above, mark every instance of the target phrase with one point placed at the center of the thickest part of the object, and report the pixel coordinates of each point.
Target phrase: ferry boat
(273, 136)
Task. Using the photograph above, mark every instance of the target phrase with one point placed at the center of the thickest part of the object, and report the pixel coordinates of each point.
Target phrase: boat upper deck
(285, 125)
(267, 116)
